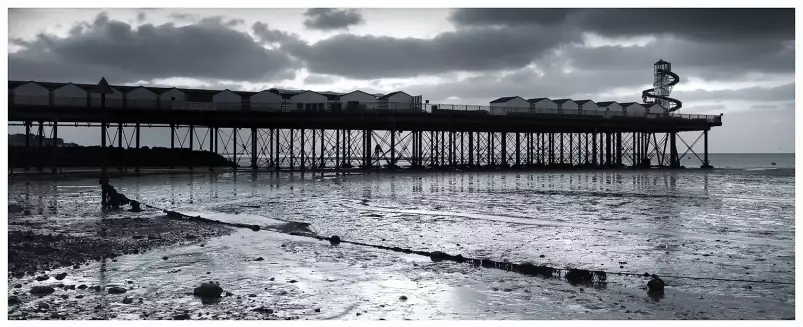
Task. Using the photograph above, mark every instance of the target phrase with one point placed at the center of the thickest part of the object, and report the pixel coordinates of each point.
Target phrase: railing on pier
(362, 107)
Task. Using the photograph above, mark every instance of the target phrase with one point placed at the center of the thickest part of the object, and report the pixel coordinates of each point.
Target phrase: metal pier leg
(192, 144)
(253, 148)
(323, 148)
(138, 149)
(55, 146)
(303, 151)
(234, 146)
(471, 149)
(337, 150)
(706, 164)
(173, 145)
(392, 149)
(119, 145)
(518, 149)
(40, 142)
(504, 149)
(28, 144)
(211, 143)
(103, 173)
(619, 149)
(674, 151)
(290, 146)
(277, 152)
(594, 148)
(571, 149)
(314, 158)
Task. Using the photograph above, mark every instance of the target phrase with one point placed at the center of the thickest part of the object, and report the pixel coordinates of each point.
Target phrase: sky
(738, 62)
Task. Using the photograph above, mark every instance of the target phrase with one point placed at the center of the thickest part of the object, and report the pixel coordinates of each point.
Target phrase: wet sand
(304, 278)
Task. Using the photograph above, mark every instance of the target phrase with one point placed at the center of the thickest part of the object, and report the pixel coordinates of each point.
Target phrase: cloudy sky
(739, 62)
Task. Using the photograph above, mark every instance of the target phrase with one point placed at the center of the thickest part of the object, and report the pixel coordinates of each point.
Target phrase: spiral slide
(672, 104)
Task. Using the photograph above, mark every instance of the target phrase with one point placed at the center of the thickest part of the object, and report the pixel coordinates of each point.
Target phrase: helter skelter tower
(663, 83)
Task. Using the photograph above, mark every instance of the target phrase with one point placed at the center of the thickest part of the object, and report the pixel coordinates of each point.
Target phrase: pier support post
(138, 149)
(27, 144)
(392, 149)
(675, 161)
(211, 143)
(313, 157)
(173, 145)
(471, 149)
(120, 145)
(337, 150)
(619, 149)
(40, 144)
(55, 147)
(253, 148)
(594, 148)
(504, 149)
(103, 173)
(562, 149)
(277, 159)
(706, 164)
(192, 144)
(323, 148)
(234, 148)
(518, 149)
(608, 149)
(302, 152)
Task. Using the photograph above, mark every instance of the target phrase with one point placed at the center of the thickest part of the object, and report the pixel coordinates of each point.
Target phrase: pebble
(42, 290)
(317, 310)
(292, 281)
(42, 278)
(82, 286)
(116, 290)
(128, 300)
(43, 306)
(259, 259)
(182, 316)
(18, 286)
(209, 290)
(403, 298)
(13, 300)
(164, 258)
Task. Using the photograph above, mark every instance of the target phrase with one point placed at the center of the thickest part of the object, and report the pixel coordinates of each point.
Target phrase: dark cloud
(693, 23)
(331, 19)
(115, 50)
(270, 36)
(472, 49)
(711, 61)
(509, 16)
(141, 16)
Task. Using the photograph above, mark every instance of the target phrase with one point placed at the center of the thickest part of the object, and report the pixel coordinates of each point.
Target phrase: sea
(722, 240)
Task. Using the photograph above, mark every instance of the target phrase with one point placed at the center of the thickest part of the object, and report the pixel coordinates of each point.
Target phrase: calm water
(735, 223)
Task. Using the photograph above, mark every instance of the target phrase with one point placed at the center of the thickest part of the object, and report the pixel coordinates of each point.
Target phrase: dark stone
(655, 285)
(182, 316)
(128, 300)
(42, 278)
(60, 285)
(576, 276)
(292, 281)
(317, 309)
(263, 310)
(229, 293)
(76, 266)
(272, 279)
(42, 290)
(13, 300)
(438, 256)
(61, 276)
(208, 290)
(19, 274)
(259, 259)
(334, 240)
(116, 290)
(403, 298)
(69, 287)
(255, 228)
(137, 237)
(542, 256)
(65, 296)
(80, 296)
(252, 295)
(190, 237)
(43, 306)
(131, 282)
(81, 287)
(164, 258)
(18, 286)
